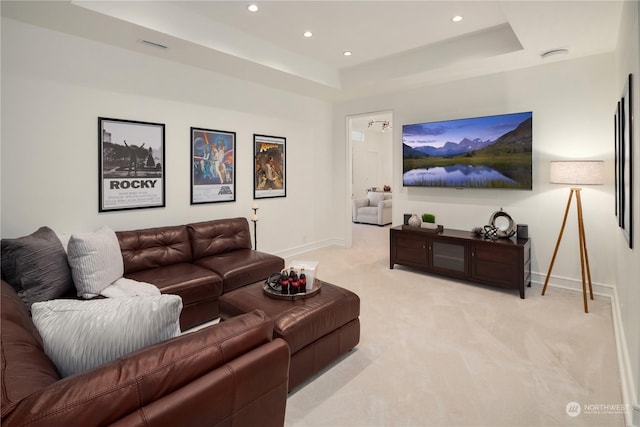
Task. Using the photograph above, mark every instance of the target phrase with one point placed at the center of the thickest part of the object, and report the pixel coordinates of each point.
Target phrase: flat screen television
(478, 152)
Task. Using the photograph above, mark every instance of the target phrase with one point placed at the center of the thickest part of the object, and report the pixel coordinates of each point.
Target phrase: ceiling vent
(552, 52)
(152, 44)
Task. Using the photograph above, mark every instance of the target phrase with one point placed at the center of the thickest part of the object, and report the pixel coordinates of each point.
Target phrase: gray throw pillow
(36, 266)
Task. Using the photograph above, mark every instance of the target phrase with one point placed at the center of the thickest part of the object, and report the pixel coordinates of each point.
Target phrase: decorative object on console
(576, 172)
(501, 225)
(131, 164)
(428, 221)
(254, 219)
(213, 166)
(490, 232)
(504, 224)
(414, 221)
(269, 172)
(406, 219)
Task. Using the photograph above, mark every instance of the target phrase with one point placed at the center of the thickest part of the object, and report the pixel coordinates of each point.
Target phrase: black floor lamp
(576, 172)
(254, 219)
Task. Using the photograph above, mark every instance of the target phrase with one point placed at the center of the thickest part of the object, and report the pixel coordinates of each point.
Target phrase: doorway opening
(369, 158)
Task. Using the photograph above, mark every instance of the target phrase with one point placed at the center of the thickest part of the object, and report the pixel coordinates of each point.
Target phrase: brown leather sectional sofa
(198, 262)
(232, 373)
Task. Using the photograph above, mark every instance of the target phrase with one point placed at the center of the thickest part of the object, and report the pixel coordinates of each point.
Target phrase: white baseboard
(599, 289)
(627, 383)
(299, 250)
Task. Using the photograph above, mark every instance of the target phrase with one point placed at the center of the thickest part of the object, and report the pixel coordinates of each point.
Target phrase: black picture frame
(624, 161)
(269, 171)
(617, 168)
(131, 172)
(213, 166)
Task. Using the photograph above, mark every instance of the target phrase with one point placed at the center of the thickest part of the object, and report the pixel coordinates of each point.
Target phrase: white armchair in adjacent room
(373, 209)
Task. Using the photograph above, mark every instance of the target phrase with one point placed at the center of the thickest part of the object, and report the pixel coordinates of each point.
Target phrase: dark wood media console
(463, 255)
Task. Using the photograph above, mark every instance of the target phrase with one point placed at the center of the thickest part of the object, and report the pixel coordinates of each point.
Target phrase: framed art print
(626, 161)
(131, 164)
(269, 172)
(213, 166)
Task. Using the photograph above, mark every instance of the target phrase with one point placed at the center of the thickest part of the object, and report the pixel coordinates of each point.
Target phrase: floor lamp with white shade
(576, 172)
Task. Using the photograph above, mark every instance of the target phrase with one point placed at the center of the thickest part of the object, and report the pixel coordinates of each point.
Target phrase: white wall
(55, 86)
(572, 115)
(573, 103)
(627, 265)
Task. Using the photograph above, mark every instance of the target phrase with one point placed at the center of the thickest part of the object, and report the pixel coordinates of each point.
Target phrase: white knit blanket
(129, 288)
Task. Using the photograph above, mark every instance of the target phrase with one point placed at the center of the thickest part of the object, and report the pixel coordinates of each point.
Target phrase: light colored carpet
(439, 352)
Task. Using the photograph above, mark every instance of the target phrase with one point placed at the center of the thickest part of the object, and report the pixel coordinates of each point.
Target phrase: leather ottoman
(318, 329)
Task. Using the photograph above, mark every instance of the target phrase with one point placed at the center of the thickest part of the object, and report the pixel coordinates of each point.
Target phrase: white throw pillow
(95, 260)
(375, 198)
(80, 335)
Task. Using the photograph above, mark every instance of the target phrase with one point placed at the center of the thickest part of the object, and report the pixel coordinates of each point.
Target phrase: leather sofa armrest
(114, 390)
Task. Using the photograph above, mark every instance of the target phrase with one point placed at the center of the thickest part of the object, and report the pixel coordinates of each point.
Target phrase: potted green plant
(428, 221)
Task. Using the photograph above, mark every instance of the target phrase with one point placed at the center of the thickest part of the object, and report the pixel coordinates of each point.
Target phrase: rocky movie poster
(269, 173)
(131, 164)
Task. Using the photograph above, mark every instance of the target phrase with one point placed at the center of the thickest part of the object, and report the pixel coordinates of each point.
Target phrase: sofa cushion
(191, 282)
(219, 236)
(95, 261)
(154, 247)
(25, 367)
(80, 335)
(36, 266)
(242, 267)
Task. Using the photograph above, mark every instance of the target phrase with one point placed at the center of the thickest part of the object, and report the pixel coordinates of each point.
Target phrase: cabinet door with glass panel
(449, 256)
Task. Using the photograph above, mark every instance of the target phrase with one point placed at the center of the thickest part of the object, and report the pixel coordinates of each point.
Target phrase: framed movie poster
(131, 165)
(213, 166)
(269, 172)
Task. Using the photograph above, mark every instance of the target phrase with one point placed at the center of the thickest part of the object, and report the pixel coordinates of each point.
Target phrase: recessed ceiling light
(307, 34)
(347, 53)
(457, 18)
(252, 8)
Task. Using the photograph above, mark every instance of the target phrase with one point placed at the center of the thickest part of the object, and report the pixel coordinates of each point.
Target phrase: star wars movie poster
(213, 171)
(269, 178)
(131, 164)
